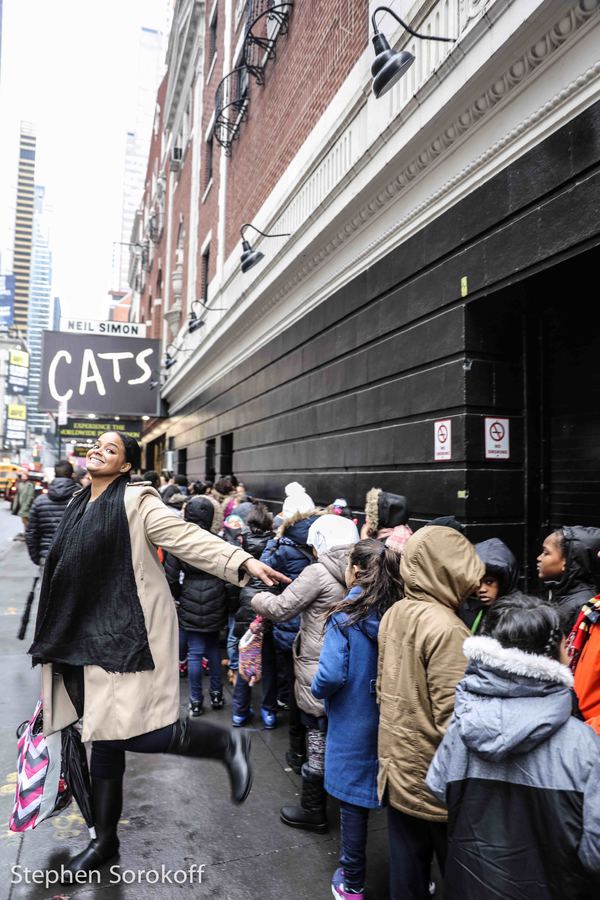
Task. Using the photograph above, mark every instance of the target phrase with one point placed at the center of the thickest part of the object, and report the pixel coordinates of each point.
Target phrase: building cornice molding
(528, 65)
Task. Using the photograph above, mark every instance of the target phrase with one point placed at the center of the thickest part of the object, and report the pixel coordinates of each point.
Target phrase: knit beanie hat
(296, 500)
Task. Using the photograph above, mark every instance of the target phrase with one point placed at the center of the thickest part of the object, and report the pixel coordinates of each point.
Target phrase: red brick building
(426, 239)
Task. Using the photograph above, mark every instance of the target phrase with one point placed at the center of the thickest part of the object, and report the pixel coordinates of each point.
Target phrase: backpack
(42, 790)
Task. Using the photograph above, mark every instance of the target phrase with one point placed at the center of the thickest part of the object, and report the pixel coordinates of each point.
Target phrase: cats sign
(99, 374)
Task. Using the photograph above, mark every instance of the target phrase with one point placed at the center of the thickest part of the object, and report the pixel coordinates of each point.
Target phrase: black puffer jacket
(45, 515)
(254, 542)
(581, 578)
(202, 597)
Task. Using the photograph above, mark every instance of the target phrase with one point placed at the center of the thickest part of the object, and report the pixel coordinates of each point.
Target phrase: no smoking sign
(442, 439)
(497, 438)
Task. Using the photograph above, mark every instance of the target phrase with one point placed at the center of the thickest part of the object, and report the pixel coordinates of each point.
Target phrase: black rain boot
(311, 815)
(216, 699)
(296, 755)
(207, 741)
(107, 797)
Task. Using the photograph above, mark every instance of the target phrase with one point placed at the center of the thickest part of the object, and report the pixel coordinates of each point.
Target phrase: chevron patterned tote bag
(41, 787)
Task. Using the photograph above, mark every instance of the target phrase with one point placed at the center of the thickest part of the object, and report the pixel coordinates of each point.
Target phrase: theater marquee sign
(99, 374)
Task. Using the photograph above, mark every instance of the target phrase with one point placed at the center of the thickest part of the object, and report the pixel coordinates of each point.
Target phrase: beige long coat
(316, 589)
(121, 705)
(420, 663)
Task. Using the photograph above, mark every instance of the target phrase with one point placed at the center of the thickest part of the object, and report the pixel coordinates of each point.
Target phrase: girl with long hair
(345, 680)
(106, 633)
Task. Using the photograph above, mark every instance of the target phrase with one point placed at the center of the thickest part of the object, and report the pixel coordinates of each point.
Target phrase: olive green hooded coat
(420, 663)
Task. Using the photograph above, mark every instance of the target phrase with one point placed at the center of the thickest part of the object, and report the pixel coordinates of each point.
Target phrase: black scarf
(89, 612)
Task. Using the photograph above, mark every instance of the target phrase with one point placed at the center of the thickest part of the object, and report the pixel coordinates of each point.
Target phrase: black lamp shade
(249, 256)
(388, 66)
(194, 324)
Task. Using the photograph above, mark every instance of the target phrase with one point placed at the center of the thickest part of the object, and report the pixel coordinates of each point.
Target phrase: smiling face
(106, 459)
(551, 562)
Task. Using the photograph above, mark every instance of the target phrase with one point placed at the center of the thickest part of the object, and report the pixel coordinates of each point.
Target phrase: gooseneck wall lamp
(249, 256)
(390, 65)
(195, 322)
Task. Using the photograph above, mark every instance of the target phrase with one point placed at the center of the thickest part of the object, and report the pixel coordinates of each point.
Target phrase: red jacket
(587, 680)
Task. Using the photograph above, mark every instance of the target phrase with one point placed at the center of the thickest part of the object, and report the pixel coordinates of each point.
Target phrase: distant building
(119, 306)
(41, 311)
(56, 312)
(24, 224)
(150, 69)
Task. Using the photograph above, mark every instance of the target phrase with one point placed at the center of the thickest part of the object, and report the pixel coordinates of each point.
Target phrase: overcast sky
(69, 68)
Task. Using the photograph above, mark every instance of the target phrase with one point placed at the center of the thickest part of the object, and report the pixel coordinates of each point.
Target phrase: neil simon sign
(97, 374)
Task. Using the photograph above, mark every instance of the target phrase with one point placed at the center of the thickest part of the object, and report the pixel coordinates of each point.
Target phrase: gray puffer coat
(314, 591)
(519, 777)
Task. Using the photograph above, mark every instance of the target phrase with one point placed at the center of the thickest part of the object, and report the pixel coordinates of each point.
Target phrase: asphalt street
(176, 812)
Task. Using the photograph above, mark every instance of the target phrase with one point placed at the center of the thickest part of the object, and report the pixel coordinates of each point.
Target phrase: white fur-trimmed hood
(490, 653)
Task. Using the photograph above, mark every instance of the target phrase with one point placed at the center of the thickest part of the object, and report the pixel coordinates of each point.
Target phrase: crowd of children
(417, 677)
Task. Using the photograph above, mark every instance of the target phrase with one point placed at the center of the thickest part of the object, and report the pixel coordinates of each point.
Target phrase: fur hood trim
(297, 517)
(490, 653)
(372, 509)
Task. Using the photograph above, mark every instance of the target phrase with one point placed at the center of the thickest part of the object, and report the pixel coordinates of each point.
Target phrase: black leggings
(108, 757)
(185, 737)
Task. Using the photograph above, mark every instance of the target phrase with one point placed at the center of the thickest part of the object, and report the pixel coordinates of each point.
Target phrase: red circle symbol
(497, 431)
(442, 434)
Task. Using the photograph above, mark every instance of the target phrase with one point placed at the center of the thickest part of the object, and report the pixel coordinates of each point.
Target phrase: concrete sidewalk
(176, 811)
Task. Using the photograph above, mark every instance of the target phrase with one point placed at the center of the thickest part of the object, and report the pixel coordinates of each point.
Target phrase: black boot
(207, 741)
(296, 755)
(216, 699)
(107, 797)
(311, 815)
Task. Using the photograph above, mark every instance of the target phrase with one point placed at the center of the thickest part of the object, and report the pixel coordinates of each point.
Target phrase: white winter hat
(331, 531)
(296, 500)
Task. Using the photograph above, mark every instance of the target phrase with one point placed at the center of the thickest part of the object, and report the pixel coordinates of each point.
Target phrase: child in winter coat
(318, 588)
(290, 553)
(420, 663)
(255, 537)
(569, 568)
(516, 770)
(346, 681)
(202, 612)
(500, 579)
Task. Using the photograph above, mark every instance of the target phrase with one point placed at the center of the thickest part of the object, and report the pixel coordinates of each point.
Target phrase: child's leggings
(353, 844)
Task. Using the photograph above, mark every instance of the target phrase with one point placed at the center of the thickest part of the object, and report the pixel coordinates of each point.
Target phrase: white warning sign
(442, 439)
(497, 438)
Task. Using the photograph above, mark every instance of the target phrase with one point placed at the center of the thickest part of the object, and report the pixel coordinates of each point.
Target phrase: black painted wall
(346, 398)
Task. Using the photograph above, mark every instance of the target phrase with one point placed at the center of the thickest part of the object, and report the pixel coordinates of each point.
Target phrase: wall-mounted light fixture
(390, 65)
(249, 256)
(194, 321)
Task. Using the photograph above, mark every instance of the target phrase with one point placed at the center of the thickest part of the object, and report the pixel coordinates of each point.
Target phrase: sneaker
(196, 708)
(283, 704)
(269, 719)
(339, 889)
(216, 699)
(183, 669)
(240, 721)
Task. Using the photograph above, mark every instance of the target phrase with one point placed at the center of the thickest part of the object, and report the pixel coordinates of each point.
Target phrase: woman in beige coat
(106, 633)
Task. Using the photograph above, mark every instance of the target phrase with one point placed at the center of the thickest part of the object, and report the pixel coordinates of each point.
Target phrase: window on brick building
(209, 159)
(204, 274)
(212, 34)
